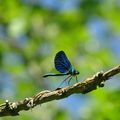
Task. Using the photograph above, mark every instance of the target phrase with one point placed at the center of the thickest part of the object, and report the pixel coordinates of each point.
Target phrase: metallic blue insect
(63, 65)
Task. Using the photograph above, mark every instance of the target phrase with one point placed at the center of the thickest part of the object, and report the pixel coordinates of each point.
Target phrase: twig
(89, 84)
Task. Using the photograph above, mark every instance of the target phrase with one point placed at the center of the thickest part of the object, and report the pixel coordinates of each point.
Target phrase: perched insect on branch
(63, 65)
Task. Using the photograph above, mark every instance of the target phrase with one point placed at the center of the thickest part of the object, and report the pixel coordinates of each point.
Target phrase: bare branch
(89, 84)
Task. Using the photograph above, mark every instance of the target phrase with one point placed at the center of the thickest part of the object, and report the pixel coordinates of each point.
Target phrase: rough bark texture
(89, 84)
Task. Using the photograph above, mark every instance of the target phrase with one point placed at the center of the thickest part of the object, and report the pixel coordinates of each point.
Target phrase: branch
(89, 84)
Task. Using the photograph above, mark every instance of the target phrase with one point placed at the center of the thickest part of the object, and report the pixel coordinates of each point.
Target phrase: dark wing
(62, 64)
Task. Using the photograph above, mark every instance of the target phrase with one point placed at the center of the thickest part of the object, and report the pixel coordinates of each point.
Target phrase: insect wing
(62, 64)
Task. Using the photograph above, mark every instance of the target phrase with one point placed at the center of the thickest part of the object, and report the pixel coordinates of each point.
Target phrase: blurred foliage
(107, 106)
(32, 32)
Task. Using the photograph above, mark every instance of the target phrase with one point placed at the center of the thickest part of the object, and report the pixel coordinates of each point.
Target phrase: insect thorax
(73, 71)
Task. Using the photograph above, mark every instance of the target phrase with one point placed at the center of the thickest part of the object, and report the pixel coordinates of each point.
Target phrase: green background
(32, 32)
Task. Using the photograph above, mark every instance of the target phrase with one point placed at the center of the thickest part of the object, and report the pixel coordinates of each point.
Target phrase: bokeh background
(33, 31)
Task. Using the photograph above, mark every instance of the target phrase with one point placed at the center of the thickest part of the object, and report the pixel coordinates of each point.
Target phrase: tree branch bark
(89, 84)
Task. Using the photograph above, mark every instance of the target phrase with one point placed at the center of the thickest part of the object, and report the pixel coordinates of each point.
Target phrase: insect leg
(69, 80)
(76, 78)
(64, 81)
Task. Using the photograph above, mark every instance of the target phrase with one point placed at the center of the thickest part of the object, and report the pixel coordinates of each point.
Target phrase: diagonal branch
(89, 84)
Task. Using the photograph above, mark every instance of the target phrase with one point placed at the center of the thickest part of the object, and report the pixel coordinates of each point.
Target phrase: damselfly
(63, 65)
